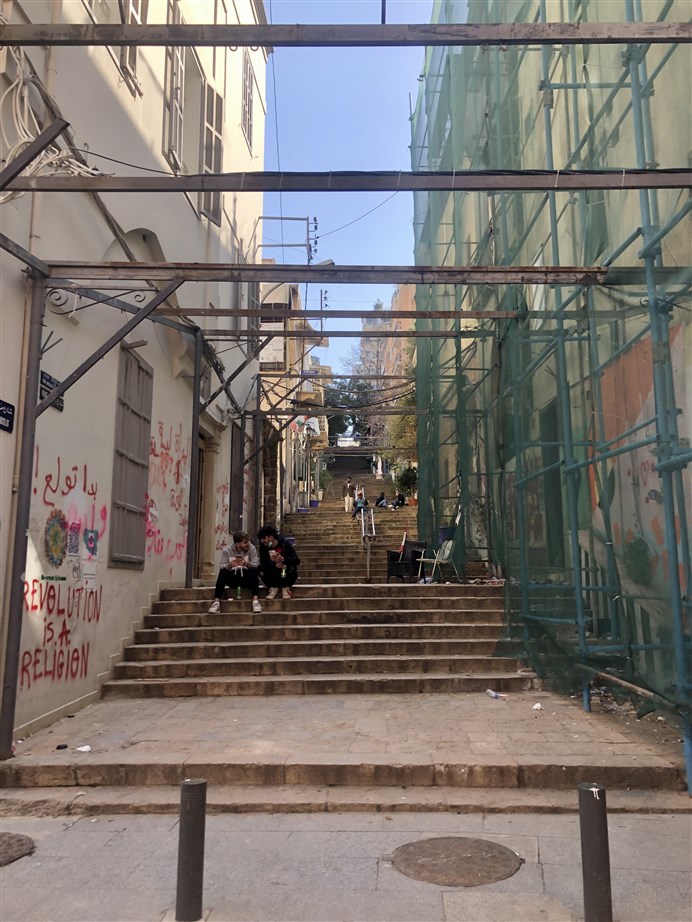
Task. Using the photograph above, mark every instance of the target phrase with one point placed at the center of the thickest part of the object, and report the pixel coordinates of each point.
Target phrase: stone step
(396, 590)
(326, 684)
(142, 652)
(359, 664)
(355, 603)
(473, 632)
(229, 617)
(304, 798)
(488, 772)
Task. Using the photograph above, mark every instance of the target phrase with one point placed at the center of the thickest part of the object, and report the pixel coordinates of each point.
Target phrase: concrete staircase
(349, 696)
(337, 635)
(326, 640)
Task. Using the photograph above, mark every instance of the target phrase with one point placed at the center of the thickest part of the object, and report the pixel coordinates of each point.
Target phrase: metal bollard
(193, 805)
(595, 855)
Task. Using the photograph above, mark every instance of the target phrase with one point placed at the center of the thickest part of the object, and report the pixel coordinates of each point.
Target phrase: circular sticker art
(55, 538)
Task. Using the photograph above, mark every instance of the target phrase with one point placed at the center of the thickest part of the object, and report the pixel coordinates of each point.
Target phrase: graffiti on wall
(633, 490)
(222, 513)
(533, 510)
(63, 604)
(167, 500)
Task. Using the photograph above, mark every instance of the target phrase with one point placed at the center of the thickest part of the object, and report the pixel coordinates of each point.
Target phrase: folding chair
(443, 556)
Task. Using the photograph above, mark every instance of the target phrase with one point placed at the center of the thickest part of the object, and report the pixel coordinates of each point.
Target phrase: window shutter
(131, 461)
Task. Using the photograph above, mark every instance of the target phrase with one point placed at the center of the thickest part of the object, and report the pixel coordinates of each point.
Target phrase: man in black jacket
(278, 562)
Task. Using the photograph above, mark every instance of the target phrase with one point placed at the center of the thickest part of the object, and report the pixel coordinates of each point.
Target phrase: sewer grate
(456, 861)
(13, 845)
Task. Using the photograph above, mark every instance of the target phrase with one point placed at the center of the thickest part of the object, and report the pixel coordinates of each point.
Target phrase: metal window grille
(135, 12)
(212, 149)
(131, 461)
(248, 85)
(173, 96)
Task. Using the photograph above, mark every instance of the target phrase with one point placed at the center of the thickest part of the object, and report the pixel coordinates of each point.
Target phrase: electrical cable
(135, 166)
(360, 218)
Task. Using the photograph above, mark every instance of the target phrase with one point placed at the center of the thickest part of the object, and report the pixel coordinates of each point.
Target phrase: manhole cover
(13, 846)
(455, 861)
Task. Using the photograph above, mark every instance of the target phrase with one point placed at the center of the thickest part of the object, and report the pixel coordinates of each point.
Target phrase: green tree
(348, 394)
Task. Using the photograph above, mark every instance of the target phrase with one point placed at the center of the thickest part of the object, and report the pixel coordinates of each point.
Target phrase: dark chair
(405, 565)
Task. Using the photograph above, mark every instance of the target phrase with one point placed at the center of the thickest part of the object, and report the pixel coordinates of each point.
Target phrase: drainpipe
(664, 399)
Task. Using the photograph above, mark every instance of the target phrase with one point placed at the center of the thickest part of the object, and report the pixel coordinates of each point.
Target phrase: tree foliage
(350, 394)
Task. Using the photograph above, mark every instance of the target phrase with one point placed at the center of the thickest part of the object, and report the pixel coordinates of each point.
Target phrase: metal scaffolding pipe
(664, 399)
(193, 500)
(13, 641)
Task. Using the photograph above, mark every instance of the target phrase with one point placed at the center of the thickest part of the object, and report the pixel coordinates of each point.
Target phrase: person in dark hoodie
(278, 562)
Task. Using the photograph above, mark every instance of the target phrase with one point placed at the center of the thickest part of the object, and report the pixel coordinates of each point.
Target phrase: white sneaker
(286, 593)
(272, 593)
(215, 607)
(256, 605)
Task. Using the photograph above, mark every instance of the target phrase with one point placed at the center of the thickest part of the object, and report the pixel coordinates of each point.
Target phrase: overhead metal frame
(335, 36)
(43, 274)
(359, 181)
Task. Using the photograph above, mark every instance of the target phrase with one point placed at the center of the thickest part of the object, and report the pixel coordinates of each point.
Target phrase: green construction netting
(557, 442)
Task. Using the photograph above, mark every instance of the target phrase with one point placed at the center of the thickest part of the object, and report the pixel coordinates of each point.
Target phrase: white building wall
(78, 606)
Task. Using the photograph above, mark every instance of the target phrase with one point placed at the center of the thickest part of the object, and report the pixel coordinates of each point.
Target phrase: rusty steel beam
(34, 149)
(417, 275)
(316, 313)
(62, 274)
(371, 181)
(241, 335)
(347, 35)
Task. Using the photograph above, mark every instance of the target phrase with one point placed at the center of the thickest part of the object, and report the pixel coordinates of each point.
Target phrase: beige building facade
(111, 499)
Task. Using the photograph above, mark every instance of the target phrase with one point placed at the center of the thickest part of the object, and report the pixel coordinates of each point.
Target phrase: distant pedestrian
(348, 491)
(278, 562)
(239, 567)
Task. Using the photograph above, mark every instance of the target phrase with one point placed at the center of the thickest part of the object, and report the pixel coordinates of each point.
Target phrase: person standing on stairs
(348, 491)
(278, 562)
(240, 566)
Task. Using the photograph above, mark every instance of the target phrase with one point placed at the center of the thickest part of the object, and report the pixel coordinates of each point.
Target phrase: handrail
(368, 536)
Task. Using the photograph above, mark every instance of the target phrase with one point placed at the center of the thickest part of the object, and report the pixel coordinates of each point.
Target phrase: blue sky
(340, 109)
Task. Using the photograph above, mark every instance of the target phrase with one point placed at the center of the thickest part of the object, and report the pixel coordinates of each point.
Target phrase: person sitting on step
(381, 500)
(240, 565)
(360, 503)
(400, 500)
(278, 562)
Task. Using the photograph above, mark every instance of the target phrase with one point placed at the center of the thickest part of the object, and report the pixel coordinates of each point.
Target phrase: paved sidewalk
(351, 729)
(325, 867)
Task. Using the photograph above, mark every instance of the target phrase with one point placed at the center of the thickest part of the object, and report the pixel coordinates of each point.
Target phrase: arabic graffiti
(58, 485)
(222, 512)
(75, 519)
(168, 457)
(169, 483)
(62, 610)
